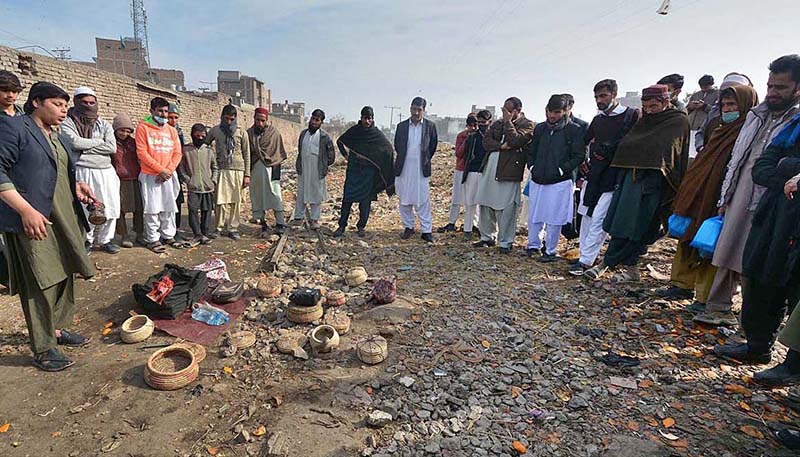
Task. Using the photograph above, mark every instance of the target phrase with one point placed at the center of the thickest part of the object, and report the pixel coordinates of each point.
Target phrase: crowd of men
(613, 182)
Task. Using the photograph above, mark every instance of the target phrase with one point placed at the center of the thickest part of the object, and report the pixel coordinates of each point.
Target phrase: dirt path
(539, 334)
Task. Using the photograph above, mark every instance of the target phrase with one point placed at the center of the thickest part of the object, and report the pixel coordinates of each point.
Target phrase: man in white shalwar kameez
(315, 153)
(415, 142)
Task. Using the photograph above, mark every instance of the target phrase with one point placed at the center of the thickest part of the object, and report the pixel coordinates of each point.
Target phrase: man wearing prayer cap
(370, 169)
(714, 117)
(415, 142)
(93, 139)
(267, 153)
(233, 161)
(652, 159)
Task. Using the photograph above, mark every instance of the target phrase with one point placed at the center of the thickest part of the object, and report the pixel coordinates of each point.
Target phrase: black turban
(367, 111)
(43, 90)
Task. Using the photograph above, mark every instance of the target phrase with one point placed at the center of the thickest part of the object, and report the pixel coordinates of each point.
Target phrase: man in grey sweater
(93, 139)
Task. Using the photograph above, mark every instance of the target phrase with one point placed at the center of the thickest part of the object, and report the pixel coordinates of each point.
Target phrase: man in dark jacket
(503, 169)
(415, 142)
(315, 153)
(554, 155)
(603, 135)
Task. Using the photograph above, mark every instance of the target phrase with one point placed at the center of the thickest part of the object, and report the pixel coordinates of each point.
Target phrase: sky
(340, 55)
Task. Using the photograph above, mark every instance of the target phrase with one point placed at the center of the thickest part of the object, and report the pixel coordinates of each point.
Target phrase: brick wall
(117, 93)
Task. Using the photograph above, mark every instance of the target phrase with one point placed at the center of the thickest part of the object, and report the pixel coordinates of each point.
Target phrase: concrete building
(242, 88)
(125, 57)
(631, 100)
(491, 108)
(293, 112)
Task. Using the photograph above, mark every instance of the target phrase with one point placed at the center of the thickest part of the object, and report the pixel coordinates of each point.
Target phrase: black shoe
(111, 248)
(741, 352)
(577, 268)
(675, 293)
(339, 232)
(427, 237)
(547, 258)
(503, 250)
(406, 234)
(72, 339)
(213, 235)
(280, 229)
(530, 252)
(778, 376)
(446, 228)
(51, 360)
(235, 236)
(265, 231)
(789, 438)
(569, 232)
(361, 232)
(484, 244)
(696, 307)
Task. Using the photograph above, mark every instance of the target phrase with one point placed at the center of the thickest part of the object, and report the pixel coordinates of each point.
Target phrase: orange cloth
(158, 148)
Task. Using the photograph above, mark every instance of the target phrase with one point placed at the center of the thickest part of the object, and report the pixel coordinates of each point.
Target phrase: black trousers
(622, 251)
(364, 208)
(763, 308)
(200, 206)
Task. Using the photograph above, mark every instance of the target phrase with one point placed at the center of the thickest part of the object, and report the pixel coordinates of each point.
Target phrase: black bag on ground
(227, 292)
(304, 296)
(188, 286)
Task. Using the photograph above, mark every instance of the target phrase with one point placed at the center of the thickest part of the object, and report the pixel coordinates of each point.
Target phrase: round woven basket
(304, 314)
(136, 329)
(356, 277)
(269, 286)
(324, 338)
(243, 339)
(171, 368)
(338, 320)
(335, 298)
(373, 350)
(198, 350)
(288, 342)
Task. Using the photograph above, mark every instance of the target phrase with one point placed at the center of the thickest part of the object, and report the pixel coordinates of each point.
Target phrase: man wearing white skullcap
(93, 138)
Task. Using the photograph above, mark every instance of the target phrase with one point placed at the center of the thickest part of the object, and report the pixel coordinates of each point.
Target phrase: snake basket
(304, 314)
(198, 350)
(171, 368)
(268, 286)
(373, 350)
(335, 298)
(136, 329)
(355, 277)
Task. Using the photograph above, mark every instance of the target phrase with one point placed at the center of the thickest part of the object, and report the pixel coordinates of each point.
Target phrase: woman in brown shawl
(698, 195)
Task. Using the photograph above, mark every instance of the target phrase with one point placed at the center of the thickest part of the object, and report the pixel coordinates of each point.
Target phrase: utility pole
(62, 54)
(391, 114)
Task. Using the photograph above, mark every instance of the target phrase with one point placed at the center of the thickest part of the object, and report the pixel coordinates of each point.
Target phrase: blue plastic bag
(527, 190)
(705, 240)
(678, 225)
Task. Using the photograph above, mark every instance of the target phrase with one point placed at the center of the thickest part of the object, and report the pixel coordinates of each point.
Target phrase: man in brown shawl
(653, 157)
(267, 154)
(697, 199)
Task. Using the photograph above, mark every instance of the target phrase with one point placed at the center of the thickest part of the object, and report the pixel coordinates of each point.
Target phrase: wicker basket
(356, 277)
(197, 349)
(171, 368)
(242, 340)
(288, 342)
(338, 320)
(324, 338)
(335, 298)
(268, 286)
(373, 350)
(304, 314)
(136, 329)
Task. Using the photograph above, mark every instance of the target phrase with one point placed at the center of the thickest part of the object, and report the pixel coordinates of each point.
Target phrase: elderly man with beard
(370, 169)
(233, 161)
(315, 154)
(267, 153)
(93, 139)
(503, 169)
(43, 222)
(652, 159)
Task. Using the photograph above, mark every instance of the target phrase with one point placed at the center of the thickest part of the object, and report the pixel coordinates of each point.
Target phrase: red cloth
(125, 160)
(199, 332)
(656, 91)
(461, 150)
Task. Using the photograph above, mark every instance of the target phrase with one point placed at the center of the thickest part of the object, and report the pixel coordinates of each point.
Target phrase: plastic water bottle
(211, 315)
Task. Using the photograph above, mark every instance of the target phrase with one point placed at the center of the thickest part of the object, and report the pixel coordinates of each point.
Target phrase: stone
(378, 418)
(406, 381)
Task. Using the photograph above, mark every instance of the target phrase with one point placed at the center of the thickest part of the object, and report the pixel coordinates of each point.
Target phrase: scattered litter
(615, 360)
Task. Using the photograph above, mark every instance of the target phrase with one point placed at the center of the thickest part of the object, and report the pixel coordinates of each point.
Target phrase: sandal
(157, 247)
(74, 340)
(52, 361)
(596, 273)
(629, 274)
(175, 244)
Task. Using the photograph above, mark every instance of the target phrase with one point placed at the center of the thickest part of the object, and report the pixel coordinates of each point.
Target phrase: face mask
(197, 142)
(727, 118)
(483, 128)
(160, 120)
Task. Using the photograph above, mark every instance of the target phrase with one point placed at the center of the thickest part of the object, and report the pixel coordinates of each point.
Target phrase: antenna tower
(139, 16)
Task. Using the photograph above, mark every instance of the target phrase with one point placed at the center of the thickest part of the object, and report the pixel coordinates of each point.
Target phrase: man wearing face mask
(605, 132)
(198, 171)
(370, 169)
(159, 151)
(233, 160)
(653, 158)
(473, 164)
(674, 83)
(93, 138)
(503, 169)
